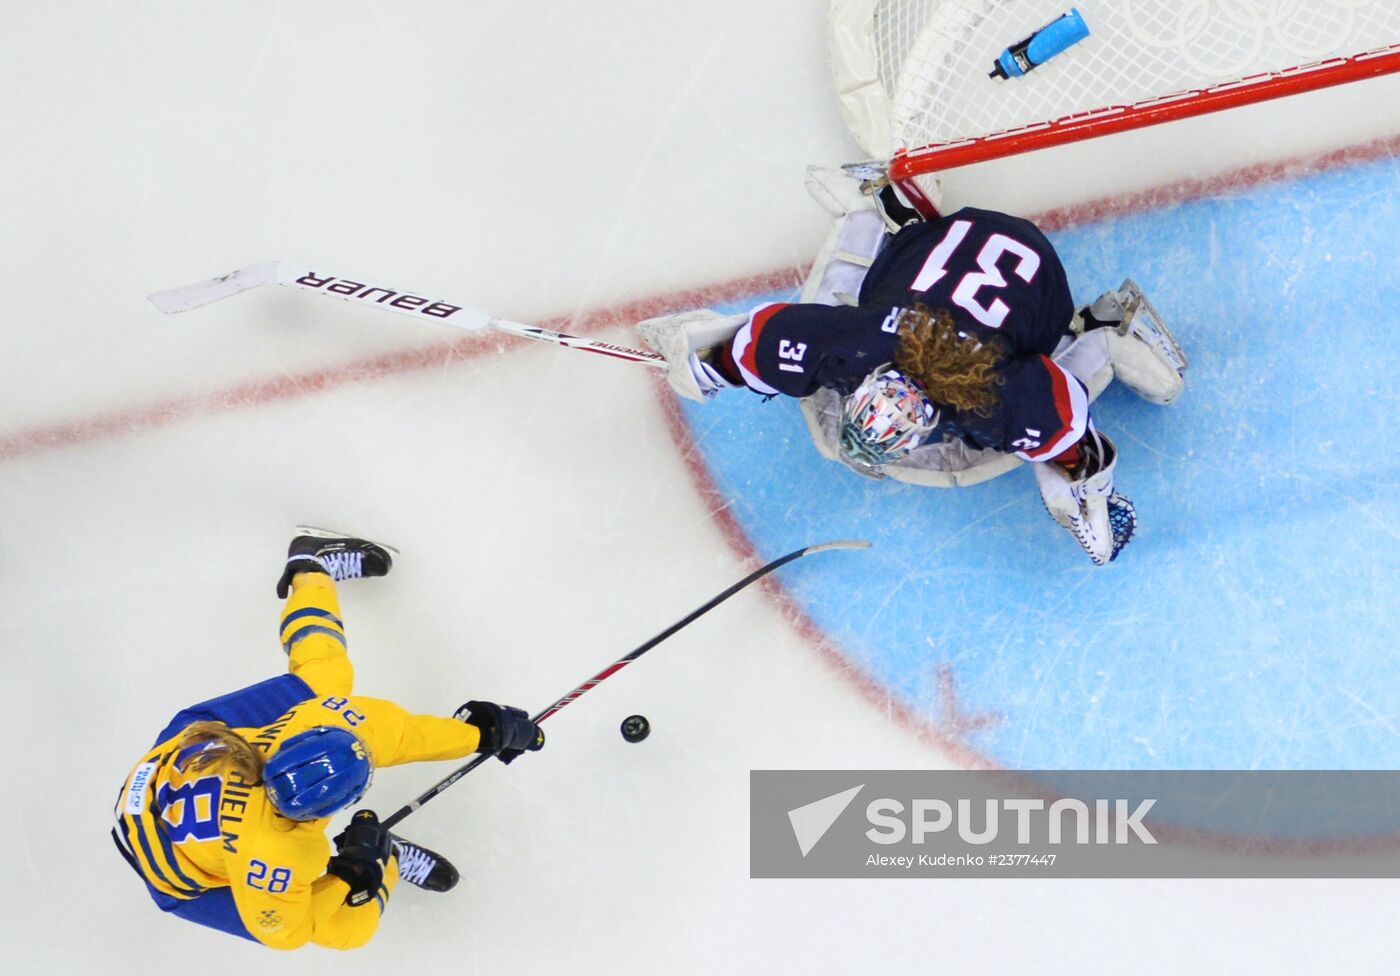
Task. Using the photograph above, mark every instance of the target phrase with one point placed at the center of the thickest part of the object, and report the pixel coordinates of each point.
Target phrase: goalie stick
(415, 306)
(622, 662)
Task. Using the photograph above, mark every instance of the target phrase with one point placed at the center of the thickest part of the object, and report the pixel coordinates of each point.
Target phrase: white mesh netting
(914, 73)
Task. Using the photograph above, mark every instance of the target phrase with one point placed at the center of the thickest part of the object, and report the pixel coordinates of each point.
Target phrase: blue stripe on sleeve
(307, 631)
(312, 612)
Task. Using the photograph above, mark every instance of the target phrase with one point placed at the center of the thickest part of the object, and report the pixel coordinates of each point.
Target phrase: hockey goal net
(913, 74)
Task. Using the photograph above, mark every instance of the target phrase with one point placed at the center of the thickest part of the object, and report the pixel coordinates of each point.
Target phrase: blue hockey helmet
(317, 773)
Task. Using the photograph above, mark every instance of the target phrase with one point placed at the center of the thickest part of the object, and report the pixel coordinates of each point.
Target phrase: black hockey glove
(505, 732)
(362, 852)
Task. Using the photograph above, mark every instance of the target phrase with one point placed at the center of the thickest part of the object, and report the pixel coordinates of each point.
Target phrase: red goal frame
(1326, 73)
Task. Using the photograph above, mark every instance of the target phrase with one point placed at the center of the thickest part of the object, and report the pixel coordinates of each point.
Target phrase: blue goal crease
(1251, 623)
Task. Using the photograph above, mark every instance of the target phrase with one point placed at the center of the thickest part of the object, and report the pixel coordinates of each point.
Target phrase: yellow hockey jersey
(188, 832)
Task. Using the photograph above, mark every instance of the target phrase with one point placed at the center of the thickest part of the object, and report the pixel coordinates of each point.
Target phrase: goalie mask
(886, 417)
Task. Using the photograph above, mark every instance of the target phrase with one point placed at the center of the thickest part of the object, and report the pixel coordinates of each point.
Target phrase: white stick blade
(215, 289)
(841, 544)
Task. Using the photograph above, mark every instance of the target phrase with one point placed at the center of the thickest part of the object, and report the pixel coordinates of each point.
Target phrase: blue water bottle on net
(1041, 46)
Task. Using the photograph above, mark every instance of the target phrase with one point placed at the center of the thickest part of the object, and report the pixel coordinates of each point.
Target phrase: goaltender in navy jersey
(995, 274)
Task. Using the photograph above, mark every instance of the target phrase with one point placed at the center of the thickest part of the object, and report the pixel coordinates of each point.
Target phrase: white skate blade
(319, 533)
(868, 170)
(1141, 318)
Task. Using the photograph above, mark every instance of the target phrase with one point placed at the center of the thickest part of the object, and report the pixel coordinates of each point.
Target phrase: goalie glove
(686, 340)
(1085, 502)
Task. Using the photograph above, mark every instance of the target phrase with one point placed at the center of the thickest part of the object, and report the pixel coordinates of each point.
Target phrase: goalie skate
(1141, 320)
(891, 200)
(1143, 352)
(869, 171)
(1137, 317)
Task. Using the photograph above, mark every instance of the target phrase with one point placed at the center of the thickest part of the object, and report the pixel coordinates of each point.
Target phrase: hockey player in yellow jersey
(225, 817)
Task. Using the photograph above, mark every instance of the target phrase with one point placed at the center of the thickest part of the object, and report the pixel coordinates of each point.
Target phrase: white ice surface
(536, 159)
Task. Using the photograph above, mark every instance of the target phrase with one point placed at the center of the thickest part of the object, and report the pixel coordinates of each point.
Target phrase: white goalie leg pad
(1145, 355)
(682, 339)
(1144, 370)
(850, 248)
(844, 260)
(1101, 520)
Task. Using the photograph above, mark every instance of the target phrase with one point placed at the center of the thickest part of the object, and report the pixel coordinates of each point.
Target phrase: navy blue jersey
(995, 274)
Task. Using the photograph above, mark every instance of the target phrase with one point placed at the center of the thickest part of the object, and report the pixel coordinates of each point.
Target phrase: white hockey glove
(1085, 502)
(1145, 355)
(706, 378)
(685, 339)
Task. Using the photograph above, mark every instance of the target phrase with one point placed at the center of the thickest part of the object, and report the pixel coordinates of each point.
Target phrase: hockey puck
(635, 728)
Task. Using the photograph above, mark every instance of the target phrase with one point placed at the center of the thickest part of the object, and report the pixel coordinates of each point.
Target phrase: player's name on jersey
(232, 805)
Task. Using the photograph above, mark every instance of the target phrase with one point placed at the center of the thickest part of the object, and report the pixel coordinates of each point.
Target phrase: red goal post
(913, 80)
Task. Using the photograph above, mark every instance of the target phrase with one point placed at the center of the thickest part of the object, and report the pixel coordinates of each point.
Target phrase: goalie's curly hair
(224, 750)
(955, 370)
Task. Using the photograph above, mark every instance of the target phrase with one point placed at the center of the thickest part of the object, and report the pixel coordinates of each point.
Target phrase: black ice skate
(424, 868)
(343, 556)
(339, 556)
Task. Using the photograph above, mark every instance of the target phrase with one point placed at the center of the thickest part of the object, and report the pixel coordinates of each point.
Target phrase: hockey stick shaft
(409, 304)
(627, 659)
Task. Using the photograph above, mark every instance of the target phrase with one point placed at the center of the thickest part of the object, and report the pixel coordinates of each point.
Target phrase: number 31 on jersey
(792, 353)
(989, 274)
